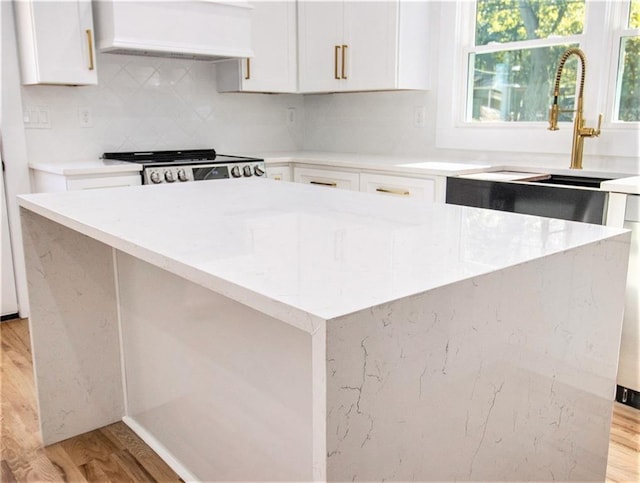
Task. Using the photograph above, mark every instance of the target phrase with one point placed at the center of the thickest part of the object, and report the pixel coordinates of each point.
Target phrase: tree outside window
(518, 44)
(628, 101)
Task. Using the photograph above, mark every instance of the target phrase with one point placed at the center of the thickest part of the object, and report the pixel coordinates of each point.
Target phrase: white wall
(143, 103)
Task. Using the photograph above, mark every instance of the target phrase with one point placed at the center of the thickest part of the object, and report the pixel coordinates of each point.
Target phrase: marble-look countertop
(624, 185)
(305, 254)
(413, 165)
(87, 167)
(395, 164)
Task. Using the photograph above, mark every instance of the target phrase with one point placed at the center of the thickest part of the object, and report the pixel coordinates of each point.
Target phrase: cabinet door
(371, 40)
(320, 31)
(274, 66)
(273, 32)
(423, 189)
(329, 178)
(56, 42)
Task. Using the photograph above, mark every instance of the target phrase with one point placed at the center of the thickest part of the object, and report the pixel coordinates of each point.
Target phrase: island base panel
(74, 329)
(225, 389)
(507, 376)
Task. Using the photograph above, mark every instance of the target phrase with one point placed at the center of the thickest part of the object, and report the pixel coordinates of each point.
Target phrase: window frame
(600, 40)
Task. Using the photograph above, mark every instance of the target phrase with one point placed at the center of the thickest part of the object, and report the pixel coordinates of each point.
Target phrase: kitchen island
(256, 330)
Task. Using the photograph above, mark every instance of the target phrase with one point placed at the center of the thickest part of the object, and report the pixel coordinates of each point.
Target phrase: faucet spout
(580, 131)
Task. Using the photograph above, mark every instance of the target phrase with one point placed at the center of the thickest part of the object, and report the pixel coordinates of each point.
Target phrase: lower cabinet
(347, 180)
(430, 189)
(43, 182)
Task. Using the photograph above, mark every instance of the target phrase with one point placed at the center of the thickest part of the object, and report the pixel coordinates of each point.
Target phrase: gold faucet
(579, 130)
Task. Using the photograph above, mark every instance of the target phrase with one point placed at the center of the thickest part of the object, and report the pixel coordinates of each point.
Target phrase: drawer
(330, 178)
(422, 189)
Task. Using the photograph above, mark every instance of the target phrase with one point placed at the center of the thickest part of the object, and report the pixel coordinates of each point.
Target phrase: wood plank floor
(115, 453)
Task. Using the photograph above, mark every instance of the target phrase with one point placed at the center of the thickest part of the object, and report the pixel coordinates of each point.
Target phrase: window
(513, 64)
(628, 79)
(497, 66)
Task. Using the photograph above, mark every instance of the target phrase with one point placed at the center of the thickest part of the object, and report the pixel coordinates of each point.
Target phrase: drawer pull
(335, 62)
(393, 191)
(324, 183)
(247, 75)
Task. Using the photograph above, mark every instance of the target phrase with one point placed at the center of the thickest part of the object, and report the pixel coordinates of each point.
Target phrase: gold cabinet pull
(90, 42)
(393, 191)
(324, 183)
(344, 57)
(247, 75)
(335, 62)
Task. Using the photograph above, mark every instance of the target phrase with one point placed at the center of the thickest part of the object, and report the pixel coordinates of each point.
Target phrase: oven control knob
(154, 176)
(258, 170)
(168, 176)
(246, 170)
(182, 176)
(235, 172)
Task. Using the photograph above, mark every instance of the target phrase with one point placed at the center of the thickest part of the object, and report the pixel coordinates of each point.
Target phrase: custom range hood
(191, 29)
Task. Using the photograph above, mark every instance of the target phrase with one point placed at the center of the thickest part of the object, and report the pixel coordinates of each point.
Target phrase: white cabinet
(330, 178)
(418, 188)
(355, 46)
(55, 42)
(274, 66)
(279, 172)
(45, 182)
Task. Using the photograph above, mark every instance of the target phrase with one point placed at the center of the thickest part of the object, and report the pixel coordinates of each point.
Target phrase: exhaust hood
(191, 29)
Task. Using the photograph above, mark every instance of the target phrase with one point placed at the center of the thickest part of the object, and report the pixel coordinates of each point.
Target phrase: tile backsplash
(145, 103)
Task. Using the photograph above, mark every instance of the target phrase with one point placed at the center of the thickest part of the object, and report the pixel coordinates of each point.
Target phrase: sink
(569, 180)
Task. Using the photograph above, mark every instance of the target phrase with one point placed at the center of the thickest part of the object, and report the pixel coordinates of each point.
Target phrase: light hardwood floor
(115, 453)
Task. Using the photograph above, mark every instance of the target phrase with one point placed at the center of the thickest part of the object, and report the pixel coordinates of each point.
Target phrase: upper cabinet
(273, 68)
(55, 42)
(363, 46)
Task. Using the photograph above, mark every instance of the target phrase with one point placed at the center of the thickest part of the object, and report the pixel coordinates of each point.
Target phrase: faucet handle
(589, 132)
(597, 131)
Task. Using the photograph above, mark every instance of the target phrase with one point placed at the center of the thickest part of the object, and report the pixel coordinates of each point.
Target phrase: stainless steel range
(190, 165)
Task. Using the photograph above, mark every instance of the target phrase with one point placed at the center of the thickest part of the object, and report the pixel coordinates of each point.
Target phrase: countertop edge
(297, 317)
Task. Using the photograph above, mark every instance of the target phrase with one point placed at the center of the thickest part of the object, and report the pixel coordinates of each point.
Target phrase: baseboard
(159, 448)
(628, 397)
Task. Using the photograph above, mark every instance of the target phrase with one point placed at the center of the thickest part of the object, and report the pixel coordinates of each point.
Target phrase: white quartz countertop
(305, 254)
(623, 185)
(87, 167)
(414, 165)
(409, 165)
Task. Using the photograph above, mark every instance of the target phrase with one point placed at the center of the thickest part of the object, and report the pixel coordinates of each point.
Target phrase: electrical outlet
(419, 115)
(85, 117)
(291, 115)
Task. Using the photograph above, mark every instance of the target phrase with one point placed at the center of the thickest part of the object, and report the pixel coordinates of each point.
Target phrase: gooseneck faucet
(579, 130)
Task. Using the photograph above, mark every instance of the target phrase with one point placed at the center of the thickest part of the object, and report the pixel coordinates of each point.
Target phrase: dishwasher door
(552, 201)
